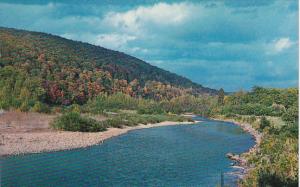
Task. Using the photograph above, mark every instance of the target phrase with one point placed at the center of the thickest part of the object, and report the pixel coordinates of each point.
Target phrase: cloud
(228, 44)
(282, 43)
(160, 14)
(113, 41)
(277, 46)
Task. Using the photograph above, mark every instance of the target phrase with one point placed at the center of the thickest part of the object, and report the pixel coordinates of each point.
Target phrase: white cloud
(278, 46)
(282, 43)
(113, 41)
(159, 14)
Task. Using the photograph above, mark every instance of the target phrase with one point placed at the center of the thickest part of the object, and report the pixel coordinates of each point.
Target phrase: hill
(56, 70)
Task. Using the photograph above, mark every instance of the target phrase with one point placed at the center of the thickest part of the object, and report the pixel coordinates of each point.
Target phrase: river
(181, 155)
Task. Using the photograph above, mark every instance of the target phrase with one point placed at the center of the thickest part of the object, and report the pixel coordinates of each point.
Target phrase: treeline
(27, 93)
(20, 90)
(262, 102)
(183, 104)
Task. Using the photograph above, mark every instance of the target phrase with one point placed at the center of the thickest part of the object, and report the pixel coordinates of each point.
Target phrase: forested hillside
(50, 69)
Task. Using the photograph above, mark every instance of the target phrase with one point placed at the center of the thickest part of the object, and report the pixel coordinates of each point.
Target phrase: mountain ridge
(55, 58)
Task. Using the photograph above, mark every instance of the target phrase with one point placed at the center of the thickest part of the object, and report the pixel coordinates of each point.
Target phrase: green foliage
(40, 107)
(276, 163)
(291, 115)
(18, 90)
(276, 160)
(261, 102)
(271, 179)
(202, 105)
(75, 108)
(73, 121)
(221, 95)
(150, 108)
(24, 106)
(263, 123)
(248, 109)
(104, 102)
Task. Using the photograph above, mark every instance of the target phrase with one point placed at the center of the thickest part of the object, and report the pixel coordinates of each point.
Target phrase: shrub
(73, 121)
(150, 108)
(24, 106)
(291, 115)
(113, 122)
(75, 108)
(113, 102)
(252, 119)
(263, 123)
(40, 107)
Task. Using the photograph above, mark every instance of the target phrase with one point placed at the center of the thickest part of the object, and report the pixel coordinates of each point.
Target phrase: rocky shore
(36, 142)
(240, 162)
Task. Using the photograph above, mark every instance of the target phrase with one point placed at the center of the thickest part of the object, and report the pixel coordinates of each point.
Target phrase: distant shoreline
(38, 142)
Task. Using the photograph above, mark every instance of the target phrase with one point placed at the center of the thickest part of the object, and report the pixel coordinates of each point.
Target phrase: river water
(181, 155)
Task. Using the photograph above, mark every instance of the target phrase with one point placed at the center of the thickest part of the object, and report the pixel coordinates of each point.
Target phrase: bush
(113, 102)
(263, 123)
(271, 179)
(291, 115)
(150, 108)
(40, 107)
(276, 162)
(75, 108)
(116, 122)
(73, 121)
(252, 119)
(24, 106)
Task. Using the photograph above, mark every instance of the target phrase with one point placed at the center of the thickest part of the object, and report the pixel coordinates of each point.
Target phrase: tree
(264, 122)
(221, 96)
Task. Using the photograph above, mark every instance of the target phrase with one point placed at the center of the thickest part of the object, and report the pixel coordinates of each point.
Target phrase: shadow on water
(183, 155)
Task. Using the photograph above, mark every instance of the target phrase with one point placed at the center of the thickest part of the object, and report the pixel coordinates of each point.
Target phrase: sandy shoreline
(36, 142)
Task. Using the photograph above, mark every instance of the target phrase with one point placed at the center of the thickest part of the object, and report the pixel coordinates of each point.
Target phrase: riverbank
(241, 159)
(36, 142)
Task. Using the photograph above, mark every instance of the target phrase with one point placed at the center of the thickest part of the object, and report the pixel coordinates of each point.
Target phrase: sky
(228, 44)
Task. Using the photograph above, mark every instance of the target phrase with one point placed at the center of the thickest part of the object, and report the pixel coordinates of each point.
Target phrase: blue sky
(231, 44)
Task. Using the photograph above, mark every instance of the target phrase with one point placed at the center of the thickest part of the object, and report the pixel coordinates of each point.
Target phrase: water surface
(183, 155)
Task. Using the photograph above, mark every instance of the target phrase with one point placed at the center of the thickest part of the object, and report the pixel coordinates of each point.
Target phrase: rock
(230, 155)
(234, 157)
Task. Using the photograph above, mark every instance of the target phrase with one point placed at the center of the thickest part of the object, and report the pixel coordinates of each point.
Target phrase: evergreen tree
(221, 96)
